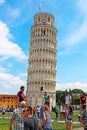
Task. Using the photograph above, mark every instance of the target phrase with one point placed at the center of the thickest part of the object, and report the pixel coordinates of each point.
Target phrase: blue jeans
(47, 128)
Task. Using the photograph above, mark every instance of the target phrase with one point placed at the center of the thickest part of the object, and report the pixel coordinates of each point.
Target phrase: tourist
(20, 94)
(68, 99)
(46, 121)
(46, 98)
(3, 111)
(34, 111)
(69, 114)
(56, 110)
(62, 109)
(82, 101)
(41, 113)
(17, 117)
(38, 111)
(30, 123)
(83, 118)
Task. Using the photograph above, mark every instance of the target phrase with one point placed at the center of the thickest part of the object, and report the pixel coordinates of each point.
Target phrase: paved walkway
(62, 121)
(78, 129)
(76, 122)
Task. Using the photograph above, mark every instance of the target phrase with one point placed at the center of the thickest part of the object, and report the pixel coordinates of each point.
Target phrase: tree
(77, 91)
(60, 96)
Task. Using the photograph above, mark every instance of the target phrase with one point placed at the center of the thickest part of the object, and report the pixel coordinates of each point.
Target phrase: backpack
(69, 116)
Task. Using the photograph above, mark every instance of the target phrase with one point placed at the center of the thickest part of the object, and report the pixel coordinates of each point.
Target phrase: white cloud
(8, 77)
(2, 69)
(76, 34)
(9, 65)
(80, 32)
(14, 13)
(2, 1)
(10, 83)
(76, 85)
(82, 4)
(23, 75)
(7, 47)
(2, 59)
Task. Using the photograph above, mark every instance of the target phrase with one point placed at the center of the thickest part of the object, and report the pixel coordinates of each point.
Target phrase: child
(69, 113)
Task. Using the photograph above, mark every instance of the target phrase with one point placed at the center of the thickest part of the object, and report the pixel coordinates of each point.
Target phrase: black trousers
(85, 128)
(56, 114)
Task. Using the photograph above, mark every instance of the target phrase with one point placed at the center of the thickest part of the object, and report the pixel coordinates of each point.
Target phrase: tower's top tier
(43, 19)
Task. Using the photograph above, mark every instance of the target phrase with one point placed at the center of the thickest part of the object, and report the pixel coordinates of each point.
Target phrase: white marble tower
(42, 60)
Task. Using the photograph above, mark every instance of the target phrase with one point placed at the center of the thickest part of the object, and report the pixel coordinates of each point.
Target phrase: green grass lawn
(7, 114)
(4, 124)
(75, 113)
(56, 125)
(62, 126)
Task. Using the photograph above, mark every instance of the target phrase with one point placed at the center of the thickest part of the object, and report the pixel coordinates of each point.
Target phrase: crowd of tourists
(39, 118)
(83, 111)
(26, 118)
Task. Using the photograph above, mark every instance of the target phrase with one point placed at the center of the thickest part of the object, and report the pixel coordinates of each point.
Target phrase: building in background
(9, 101)
(42, 60)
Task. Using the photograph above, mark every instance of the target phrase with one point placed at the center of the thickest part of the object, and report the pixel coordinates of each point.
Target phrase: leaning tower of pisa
(42, 60)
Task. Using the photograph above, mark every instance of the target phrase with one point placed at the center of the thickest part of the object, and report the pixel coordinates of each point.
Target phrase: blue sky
(16, 19)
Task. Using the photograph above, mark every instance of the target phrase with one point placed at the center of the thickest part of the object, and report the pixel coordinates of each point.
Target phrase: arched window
(38, 18)
(48, 19)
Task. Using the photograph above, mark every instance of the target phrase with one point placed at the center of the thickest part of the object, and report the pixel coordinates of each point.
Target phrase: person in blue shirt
(46, 120)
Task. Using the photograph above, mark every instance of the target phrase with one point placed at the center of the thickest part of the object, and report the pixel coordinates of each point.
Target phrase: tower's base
(34, 98)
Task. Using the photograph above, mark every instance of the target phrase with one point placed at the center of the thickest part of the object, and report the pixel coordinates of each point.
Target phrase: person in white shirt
(3, 111)
(38, 111)
(63, 110)
(68, 99)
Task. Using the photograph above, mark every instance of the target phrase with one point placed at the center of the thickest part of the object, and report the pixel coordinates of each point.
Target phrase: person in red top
(83, 99)
(82, 102)
(20, 94)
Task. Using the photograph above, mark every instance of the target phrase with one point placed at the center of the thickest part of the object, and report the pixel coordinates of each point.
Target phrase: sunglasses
(23, 110)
